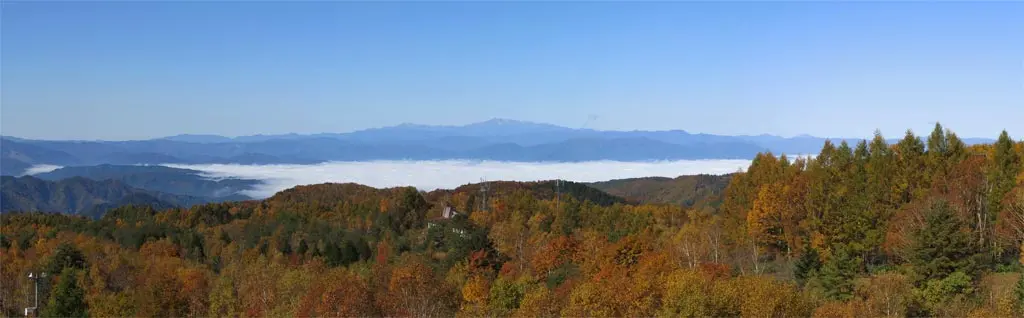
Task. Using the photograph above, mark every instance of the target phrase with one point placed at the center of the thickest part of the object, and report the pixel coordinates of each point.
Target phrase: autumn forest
(927, 226)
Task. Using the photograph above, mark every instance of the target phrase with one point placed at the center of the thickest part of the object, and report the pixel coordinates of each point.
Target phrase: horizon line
(492, 120)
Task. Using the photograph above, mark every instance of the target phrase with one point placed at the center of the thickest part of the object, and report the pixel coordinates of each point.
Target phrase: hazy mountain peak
(411, 125)
(198, 138)
(504, 121)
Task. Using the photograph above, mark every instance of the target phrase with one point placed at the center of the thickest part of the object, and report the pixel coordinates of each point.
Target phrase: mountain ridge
(496, 139)
(497, 121)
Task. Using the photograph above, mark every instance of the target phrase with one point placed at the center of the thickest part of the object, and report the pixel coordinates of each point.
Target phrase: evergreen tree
(283, 245)
(837, 274)
(1019, 293)
(942, 247)
(349, 253)
(333, 254)
(470, 204)
(303, 247)
(66, 256)
(68, 299)
(807, 265)
(410, 212)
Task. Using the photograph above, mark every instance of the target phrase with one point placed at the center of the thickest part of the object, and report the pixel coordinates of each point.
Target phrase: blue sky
(131, 70)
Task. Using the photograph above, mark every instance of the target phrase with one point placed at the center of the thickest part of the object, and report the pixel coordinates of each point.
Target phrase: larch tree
(935, 155)
(911, 166)
(880, 171)
(764, 221)
(821, 186)
(1011, 220)
(1004, 166)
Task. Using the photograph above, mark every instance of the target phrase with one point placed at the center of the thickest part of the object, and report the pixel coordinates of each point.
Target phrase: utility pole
(35, 277)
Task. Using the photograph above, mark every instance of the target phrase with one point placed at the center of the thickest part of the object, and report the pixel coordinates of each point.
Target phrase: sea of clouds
(37, 169)
(447, 174)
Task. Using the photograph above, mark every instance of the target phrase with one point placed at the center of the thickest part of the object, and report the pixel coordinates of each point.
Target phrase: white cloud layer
(37, 169)
(429, 175)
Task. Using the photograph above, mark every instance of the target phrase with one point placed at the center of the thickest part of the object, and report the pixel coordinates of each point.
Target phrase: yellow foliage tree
(474, 296)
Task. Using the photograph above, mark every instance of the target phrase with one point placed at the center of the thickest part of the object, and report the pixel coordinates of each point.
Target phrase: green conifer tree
(942, 246)
(1019, 293)
(68, 299)
(837, 274)
(807, 265)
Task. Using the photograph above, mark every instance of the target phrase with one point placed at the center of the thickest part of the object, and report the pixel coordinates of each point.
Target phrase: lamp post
(35, 277)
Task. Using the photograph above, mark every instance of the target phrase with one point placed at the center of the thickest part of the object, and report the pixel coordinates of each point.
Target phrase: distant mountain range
(496, 139)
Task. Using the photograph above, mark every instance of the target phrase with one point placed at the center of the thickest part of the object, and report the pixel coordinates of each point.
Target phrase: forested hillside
(918, 228)
(468, 197)
(159, 178)
(81, 196)
(699, 191)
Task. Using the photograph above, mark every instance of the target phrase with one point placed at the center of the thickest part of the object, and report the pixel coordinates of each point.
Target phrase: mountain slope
(688, 191)
(13, 167)
(17, 156)
(81, 196)
(544, 190)
(159, 178)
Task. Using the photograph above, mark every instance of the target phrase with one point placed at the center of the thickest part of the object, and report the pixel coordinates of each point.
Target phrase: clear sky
(130, 70)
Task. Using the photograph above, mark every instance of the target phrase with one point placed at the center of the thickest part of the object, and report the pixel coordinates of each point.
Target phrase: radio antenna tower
(558, 192)
(558, 182)
(483, 191)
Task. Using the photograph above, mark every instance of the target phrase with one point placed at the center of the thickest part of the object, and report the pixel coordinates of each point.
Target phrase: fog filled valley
(432, 175)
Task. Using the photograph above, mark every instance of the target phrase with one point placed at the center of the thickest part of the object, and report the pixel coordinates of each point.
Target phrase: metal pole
(35, 279)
